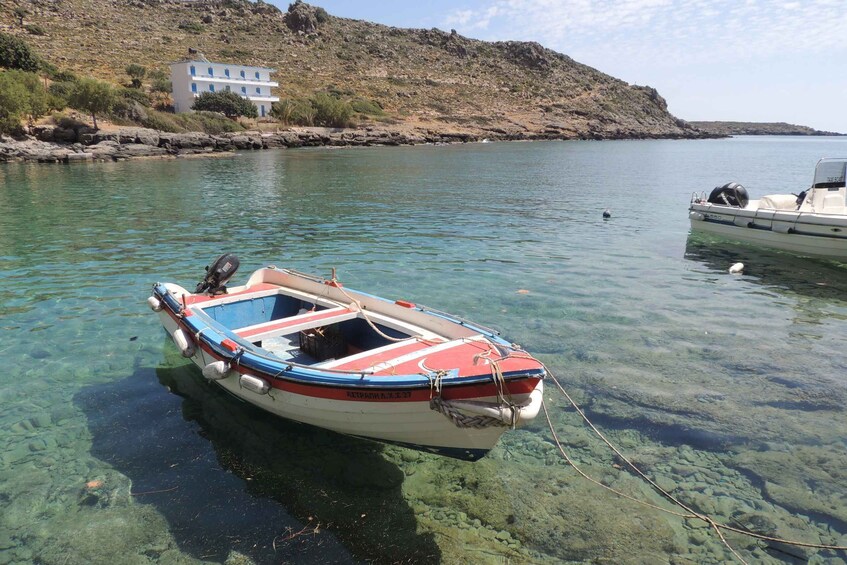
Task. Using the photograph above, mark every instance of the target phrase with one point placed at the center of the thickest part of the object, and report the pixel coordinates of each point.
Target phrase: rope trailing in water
(690, 513)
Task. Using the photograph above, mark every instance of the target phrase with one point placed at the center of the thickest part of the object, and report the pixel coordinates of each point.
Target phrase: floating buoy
(736, 269)
(183, 342)
(254, 384)
(607, 214)
(216, 371)
(523, 291)
(154, 303)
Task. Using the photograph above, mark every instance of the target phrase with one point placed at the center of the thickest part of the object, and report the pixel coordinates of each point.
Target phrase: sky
(730, 60)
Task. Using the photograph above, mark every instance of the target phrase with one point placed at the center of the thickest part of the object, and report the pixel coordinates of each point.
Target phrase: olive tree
(93, 96)
(227, 103)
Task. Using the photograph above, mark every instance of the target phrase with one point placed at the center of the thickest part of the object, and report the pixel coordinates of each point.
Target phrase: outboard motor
(218, 274)
(730, 194)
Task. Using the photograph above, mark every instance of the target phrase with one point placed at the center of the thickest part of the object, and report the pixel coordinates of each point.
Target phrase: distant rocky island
(758, 128)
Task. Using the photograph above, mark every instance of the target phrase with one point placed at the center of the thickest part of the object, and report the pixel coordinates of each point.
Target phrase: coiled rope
(690, 513)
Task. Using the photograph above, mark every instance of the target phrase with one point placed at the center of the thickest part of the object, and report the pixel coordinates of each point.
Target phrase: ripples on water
(729, 390)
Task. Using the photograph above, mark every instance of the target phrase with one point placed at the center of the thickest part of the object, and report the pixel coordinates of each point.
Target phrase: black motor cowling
(730, 194)
(217, 274)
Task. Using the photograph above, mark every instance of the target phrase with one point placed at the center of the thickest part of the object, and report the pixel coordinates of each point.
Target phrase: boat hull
(816, 235)
(389, 408)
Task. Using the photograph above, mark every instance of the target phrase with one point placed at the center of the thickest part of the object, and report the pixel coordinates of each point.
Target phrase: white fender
(154, 303)
(254, 384)
(216, 371)
(183, 342)
(526, 412)
(736, 269)
(696, 216)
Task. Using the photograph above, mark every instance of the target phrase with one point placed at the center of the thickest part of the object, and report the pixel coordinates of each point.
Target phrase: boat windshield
(830, 173)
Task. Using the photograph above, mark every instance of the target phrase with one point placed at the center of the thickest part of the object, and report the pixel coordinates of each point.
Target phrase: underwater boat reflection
(272, 490)
(783, 272)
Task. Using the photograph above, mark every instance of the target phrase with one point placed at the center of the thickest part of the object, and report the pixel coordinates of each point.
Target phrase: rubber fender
(183, 342)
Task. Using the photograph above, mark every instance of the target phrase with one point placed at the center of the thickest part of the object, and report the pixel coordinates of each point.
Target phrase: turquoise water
(728, 390)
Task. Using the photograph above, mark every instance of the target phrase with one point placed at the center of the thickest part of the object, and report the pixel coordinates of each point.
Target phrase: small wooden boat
(313, 351)
(812, 223)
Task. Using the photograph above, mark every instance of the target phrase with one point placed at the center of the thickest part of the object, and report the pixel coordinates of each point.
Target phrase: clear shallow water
(729, 390)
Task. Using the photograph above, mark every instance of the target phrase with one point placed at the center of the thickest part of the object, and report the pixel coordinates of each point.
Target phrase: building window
(242, 74)
(193, 87)
(258, 90)
(193, 70)
(263, 110)
(257, 75)
(211, 72)
(243, 90)
(226, 72)
(211, 88)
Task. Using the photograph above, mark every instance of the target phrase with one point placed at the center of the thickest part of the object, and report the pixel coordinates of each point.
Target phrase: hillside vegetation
(426, 78)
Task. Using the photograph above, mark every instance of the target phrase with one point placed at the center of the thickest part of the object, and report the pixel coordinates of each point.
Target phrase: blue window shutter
(211, 88)
(193, 70)
(211, 72)
(193, 87)
(226, 72)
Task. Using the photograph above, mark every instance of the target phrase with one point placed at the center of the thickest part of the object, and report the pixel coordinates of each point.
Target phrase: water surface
(728, 390)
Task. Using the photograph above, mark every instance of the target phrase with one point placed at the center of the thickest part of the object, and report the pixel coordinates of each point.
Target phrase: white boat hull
(803, 234)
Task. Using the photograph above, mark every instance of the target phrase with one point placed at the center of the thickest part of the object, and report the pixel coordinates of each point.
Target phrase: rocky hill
(424, 78)
(758, 128)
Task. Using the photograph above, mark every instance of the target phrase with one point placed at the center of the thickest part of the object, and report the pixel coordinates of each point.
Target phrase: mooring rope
(691, 513)
(365, 316)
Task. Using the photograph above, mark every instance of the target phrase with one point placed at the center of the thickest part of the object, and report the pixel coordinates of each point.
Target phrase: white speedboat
(811, 223)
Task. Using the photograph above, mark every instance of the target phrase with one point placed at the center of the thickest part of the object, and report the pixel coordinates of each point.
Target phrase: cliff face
(421, 77)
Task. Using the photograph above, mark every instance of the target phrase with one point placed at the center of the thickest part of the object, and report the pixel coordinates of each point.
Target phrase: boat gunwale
(273, 367)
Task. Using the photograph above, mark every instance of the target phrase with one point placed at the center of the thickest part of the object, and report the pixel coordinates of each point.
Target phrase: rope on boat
(462, 420)
(689, 512)
(367, 319)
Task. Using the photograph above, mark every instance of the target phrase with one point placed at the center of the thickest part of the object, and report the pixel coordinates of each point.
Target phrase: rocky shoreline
(55, 144)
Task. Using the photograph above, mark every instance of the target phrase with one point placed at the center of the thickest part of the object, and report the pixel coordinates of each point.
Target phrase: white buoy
(183, 342)
(255, 384)
(154, 303)
(736, 269)
(216, 371)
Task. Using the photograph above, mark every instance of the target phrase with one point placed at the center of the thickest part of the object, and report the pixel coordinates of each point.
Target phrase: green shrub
(331, 111)
(136, 74)
(321, 15)
(16, 54)
(63, 76)
(162, 121)
(293, 111)
(134, 95)
(22, 95)
(191, 27)
(367, 107)
(227, 103)
(208, 122)
(61, 91)
(35, 29)
(161, 85)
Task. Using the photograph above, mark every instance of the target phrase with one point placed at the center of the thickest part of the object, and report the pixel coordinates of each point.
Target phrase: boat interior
(307, 329)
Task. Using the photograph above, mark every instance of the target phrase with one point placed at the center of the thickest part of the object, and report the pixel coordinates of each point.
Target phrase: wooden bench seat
(299, 322)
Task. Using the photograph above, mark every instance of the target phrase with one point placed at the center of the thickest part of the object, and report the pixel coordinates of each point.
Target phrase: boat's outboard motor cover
(730, 194)
(217, 274)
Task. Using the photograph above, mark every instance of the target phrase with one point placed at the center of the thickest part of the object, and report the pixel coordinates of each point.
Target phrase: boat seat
(833, 204)
(294, 324)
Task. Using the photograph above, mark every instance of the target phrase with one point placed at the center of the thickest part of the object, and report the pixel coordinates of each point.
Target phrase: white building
(190, 78)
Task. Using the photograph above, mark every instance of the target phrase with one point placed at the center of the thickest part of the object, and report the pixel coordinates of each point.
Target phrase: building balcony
(231, 80)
